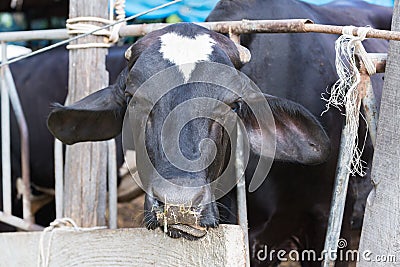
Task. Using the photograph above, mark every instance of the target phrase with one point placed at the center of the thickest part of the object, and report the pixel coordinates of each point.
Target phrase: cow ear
(299, 136)
(96, 117)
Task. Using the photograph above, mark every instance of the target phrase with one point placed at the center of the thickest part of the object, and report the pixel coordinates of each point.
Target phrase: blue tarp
(197, 10)
(187, 10)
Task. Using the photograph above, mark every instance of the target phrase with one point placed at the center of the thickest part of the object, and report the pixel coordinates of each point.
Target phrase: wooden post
(85, 165)
(380, 238)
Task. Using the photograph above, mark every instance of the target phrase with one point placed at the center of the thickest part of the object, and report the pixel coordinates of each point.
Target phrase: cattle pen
(123, 246)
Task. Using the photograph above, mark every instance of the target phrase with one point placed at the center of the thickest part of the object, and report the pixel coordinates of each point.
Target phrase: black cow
(293, 203)
(40, 81)
(163, 73)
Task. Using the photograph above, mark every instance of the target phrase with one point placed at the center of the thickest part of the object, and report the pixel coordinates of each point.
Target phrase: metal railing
(236, 27)
(9, 94)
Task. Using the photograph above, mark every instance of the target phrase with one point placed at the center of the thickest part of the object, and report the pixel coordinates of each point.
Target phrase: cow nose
(181, 210)
(178, 196)
(185, 191)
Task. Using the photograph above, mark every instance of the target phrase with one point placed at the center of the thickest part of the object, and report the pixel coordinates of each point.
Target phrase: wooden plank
(124, 247)
(381, 230)
(86, 163)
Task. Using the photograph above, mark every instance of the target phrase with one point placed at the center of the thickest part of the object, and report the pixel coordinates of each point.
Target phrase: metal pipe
(112, 184)
(59, 178)
(19, 223)
(369, 102)
(369, 106)
(241, 192)
(241, 185)
(366, 94)
(262, 26)
(238, 27)
(338, 203)
(243, 26)
(379, 60)
(55, 34)
(5, 137)
(24, 137)
(340, 190)
(372, 33)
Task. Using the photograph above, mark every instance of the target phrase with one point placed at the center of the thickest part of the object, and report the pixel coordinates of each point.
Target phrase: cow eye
(235, 106)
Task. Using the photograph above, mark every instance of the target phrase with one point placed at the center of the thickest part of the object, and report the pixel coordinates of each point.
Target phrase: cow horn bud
(244, 53)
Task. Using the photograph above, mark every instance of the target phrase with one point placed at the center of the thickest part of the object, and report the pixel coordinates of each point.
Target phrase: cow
(291, 209)
(166, 69)
(40, 81)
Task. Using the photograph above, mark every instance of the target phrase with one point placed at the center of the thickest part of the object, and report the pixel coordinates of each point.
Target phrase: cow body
(40, 81)
(293, 204)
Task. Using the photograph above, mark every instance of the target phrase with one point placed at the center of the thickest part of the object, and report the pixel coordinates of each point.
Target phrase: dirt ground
(130, 214)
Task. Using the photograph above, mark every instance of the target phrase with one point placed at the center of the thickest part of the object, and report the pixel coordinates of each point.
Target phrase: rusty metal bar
(373, 33)
(368, 96)
(379, 60)
(5, 137)
(238, 27)
(24, 138)
(243, 26)
(369, 106)
(261, 26)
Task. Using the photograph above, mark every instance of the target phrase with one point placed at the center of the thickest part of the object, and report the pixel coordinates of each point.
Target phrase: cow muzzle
(187, 220)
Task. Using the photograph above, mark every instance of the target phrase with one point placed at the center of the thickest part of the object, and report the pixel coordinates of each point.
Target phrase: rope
(76, 26)
(81, 25)
(63, 224)
(359, 48)
(344, 92)
(119, 7)
(87, 34)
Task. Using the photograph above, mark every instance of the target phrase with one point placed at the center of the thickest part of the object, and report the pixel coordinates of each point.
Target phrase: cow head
(184, 140)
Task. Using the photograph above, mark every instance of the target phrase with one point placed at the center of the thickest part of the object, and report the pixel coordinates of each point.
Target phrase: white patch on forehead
(185, 51)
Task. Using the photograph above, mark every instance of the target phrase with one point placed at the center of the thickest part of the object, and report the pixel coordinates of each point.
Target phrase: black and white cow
(293, 204)
(40, 81)
(183, 203)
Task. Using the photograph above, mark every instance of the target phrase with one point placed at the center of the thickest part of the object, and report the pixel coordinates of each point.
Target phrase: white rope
(344, 92)
(119, 7)
(81, 25)
(63, 224)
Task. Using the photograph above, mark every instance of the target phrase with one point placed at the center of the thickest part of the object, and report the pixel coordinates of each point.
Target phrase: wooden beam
(381, 231)
(86, 163)
(124, 247)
